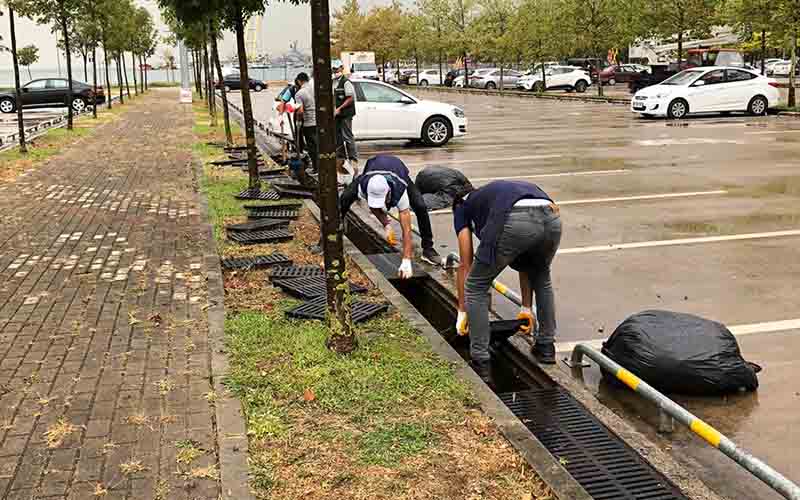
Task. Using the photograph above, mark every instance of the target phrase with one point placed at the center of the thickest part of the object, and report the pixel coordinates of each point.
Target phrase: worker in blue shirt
(518, 225)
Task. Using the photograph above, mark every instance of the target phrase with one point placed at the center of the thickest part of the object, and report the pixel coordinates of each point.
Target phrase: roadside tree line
(84, 27)
(525, 32)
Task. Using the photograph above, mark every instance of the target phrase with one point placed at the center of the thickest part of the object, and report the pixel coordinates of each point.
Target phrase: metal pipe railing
(502, 289)
(761, 470)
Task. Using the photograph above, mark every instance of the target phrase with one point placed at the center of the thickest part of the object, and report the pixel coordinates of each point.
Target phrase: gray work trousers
(345, 140)
(528, 243)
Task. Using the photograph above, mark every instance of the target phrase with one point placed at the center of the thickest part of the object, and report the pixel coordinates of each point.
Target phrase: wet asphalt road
(707, 211)
(8, 122)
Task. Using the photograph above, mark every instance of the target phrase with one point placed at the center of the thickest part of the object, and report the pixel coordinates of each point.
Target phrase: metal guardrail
(761, 470)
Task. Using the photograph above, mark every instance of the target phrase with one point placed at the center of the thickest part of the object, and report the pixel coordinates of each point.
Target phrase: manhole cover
(290, 272)
(255, 194)
(309, 287)
(360, 311)
(256, 262)
(265, 236)
(255, 225)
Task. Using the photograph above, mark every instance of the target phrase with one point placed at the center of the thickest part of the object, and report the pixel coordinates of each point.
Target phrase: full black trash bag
(681, 353)
(445, 183)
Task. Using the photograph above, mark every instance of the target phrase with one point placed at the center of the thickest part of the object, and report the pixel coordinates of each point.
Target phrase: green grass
(164, 84)
(390, 444)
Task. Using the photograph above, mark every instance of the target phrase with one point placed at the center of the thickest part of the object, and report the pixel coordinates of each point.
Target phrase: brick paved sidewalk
(104, 346)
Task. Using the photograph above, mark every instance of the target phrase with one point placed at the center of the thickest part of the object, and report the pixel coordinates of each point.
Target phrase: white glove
(405, 271)
(389, 233)
(462, 324)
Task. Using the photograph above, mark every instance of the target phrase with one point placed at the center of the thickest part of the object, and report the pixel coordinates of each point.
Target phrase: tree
(416, 38)
(60, 14)
(681, 18)
(752, 19)
(347, 30)
(459, 21)
(491, 32)
(15, 60)
(169, 62)
(787, 24)
(433, 33)
(537, 28)
(28, 55)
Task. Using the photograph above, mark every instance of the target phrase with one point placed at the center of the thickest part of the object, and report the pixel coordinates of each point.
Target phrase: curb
(519, 94)
(563, 485)
(229, 422)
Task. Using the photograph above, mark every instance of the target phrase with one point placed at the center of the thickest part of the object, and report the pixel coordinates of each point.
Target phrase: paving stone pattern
(104, 357)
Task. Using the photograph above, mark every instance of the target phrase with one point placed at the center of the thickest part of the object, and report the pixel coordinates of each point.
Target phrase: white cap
(377, 189)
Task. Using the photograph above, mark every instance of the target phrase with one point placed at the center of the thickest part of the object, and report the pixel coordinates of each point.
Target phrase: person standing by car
(307, 115)
(386, 183)
(518, 225)
(344, 111)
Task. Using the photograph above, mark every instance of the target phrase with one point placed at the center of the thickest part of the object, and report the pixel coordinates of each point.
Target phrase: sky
(283, 23)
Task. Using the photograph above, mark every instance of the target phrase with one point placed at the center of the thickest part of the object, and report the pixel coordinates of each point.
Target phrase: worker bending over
(386, 184)
(518, 225)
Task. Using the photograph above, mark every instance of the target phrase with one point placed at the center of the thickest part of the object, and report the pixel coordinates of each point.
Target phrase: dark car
(453, 74)
(234, 82)
(621, 73)
(52, 92)
(658, 73)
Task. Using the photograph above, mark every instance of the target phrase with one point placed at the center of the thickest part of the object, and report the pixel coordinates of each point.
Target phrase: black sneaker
(545, 353)
(431, 256)
(484, 370)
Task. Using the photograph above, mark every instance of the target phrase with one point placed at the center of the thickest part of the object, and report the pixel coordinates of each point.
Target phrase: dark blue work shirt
(485, 211)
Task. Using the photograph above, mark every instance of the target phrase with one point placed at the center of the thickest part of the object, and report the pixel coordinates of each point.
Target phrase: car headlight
(458, 112)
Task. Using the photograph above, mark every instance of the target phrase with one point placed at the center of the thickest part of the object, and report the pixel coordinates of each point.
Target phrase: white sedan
(557, 77)
(384, 112)
(708, 90)
(426, 78)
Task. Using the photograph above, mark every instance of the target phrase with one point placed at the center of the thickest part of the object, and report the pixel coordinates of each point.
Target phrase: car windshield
(364, 67)
(682, 78)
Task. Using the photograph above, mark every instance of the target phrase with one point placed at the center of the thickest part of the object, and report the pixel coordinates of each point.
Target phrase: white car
(427, 77)
(783, 68)
(557, 77)
(708, 90)
(387, 113)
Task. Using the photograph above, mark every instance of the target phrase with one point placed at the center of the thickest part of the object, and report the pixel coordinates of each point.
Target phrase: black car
(234, 82)
(51, 92)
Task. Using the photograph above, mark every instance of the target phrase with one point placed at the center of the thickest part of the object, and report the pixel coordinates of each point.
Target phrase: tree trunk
(247, 105)
(501, 77)
(146, 74)
(69, 63)
(416, 62)
(30, 77)
(23, 148)
(108, 78)
(119, 81)
(793, 67)
(342, 338)
(466, 71)
(599, 83)
(441, 76)
(133, 72)
(141, 72)
(212, 103)
(94, 81)
(125, 73)
(225, 111)
(680, 49)
(85, 64)
(763, 51)
(194, 72)
(544, 70)
(383, 69)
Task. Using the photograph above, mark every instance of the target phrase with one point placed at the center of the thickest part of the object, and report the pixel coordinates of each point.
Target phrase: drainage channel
(605, 466)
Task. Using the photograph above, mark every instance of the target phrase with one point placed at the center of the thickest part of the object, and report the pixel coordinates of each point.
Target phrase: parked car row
(567, 78)
(52, 92)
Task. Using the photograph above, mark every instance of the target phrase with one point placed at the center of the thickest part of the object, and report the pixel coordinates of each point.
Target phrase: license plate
(638, 107)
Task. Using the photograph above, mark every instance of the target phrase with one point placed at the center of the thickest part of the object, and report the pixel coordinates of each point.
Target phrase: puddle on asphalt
(783, 185)
(733, 225)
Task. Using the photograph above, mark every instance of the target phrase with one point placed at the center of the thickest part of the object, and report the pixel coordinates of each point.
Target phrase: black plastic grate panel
(292, 193)
(361, 311)
(276, 212)
(254, 194)
(606, 467)
(291, 272)
(309, 287)
(274, 171)
(255, 225)
(259, 261)
(387, 264)
(265, 236)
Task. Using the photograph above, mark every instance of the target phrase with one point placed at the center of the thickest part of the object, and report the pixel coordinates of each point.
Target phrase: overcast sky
(283, 23)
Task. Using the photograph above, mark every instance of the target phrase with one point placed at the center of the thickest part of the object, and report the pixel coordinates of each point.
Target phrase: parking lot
(8, 122)
(699, 216)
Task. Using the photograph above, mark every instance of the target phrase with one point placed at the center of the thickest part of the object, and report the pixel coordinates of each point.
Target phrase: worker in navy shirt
(386, 184)
(518, 225)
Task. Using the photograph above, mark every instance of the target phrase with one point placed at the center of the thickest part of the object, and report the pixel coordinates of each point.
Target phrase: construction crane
(253, 37)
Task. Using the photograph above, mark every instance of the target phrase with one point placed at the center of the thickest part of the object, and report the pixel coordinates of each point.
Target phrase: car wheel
(258, 88)
(437, 131)
(758, 106)
(227, 88)
(612, 82)
(7, 105)
(678, 109)
(491, 86)
(423, 83)
(78, 105)
(581, 85)
(538, 87)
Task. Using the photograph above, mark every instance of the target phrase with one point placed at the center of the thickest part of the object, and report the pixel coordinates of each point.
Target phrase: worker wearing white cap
(386, 184)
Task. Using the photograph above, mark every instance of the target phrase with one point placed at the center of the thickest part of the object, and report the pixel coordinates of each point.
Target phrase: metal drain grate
(276, 212)
(266, 236)
(290, 272)
(256, 262)
(257, 224)
(254, 194)
(606, 467)
(361, 311)
(292, 193)
(503, 329)
(309, 287)
(287, 206)
(387, 264)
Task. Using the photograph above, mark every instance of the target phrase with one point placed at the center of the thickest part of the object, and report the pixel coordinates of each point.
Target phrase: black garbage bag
(681, 353)
(445, 183)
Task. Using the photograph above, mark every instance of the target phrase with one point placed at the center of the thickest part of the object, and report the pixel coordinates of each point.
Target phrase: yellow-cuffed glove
(462, 324)
(526, 314)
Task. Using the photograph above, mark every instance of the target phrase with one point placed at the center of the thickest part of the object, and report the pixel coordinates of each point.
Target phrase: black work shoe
(545, 353)
(484, 370)
(431, 256)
